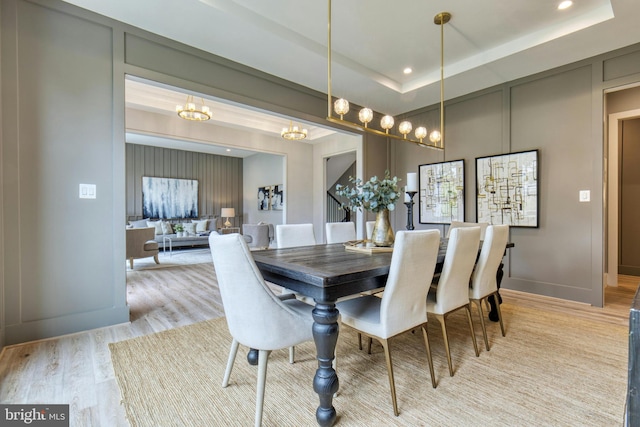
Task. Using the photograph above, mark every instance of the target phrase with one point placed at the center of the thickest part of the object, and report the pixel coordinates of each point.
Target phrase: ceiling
(486, 42)
(162, 99)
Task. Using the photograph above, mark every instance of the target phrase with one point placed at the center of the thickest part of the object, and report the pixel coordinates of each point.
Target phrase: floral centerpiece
(179, 229)
(376, 195)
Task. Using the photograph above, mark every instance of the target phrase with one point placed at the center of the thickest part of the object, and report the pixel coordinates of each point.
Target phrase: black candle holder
(409, 206)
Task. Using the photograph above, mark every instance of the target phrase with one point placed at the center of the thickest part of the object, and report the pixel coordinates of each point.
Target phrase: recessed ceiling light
(228, 150)
(407, 70)
(565, 4)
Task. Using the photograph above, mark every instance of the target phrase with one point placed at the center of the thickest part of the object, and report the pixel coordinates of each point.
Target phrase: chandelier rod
(329, 98)
(441, 19)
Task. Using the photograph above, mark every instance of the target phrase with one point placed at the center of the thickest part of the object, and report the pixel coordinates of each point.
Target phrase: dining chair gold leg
(263, 356)
(392, 385)
(441, 319)
(499, 315)
(473, 334)
(429, 358)
(478, 303)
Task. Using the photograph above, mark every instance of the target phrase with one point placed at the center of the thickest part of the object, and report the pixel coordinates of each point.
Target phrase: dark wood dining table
(326, 273)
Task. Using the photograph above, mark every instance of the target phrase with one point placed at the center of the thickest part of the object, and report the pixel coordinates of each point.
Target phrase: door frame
(613, 188)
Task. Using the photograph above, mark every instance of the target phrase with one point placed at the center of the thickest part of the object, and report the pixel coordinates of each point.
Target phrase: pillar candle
(407, 198)
(412, 181)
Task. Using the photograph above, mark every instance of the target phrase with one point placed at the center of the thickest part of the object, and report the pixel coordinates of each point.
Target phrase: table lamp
(228, 213)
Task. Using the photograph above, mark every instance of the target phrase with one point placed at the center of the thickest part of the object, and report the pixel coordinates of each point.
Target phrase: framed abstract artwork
(168, 198)
(507, 189)
(441, 192)
(271, 198)
(264, 197)
(277, 197)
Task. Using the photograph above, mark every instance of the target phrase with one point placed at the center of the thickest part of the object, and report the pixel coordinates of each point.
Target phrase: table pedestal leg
(252, 357)
(325, 382)
(493, 313)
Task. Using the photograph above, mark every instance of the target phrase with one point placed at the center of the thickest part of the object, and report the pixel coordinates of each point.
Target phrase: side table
(164, 245)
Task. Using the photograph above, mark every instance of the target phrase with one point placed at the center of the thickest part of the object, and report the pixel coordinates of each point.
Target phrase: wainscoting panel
(219, 178)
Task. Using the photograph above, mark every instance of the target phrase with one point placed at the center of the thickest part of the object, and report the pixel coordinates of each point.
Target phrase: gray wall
(62, 87)
(559, 112)
(220, 178)
(62, 111)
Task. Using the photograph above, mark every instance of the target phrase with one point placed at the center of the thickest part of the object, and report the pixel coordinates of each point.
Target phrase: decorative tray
(366, 247)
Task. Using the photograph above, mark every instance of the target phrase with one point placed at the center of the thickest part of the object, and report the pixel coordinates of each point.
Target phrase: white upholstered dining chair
(256, 317)
(293, 235)
(403, 304)
(483, 278)
(458, 224)
(340, 232)
(452, 291)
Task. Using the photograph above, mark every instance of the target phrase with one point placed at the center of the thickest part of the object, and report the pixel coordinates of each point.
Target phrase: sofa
(196, 231)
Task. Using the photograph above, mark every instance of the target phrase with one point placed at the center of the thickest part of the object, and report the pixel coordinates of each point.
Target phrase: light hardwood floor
(76, 369)
(616, 308)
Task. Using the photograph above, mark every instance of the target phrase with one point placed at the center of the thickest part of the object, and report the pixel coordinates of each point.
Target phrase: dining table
(327, 272)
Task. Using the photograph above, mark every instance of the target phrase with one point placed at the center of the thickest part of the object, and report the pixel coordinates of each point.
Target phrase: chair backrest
(370, 225)
(462, 251)
(292, 235)
(340, 232)
(483, 279)
(254, 314)
(458, 224)
(259, 234)
(404, 302)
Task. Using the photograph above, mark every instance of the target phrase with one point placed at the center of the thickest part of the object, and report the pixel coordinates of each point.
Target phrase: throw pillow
(201, 225)
(189, 227)
(140, 223)
(166, 228)
(157, 225)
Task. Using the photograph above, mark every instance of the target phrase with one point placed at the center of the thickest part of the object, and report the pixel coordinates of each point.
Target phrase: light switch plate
(87, 191)
(585, 195)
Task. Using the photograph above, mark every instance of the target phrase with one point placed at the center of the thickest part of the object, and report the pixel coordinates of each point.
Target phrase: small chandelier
(189, 110)
(365, 115)
(293, 133)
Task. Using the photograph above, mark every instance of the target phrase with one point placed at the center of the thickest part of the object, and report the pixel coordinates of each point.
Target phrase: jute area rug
(550, 370)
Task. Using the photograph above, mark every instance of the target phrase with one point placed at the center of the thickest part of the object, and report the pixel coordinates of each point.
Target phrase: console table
(229, 230)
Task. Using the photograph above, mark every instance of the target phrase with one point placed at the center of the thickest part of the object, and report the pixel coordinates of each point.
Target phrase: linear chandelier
(365, 115)
(189, 111)
(293, 133)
